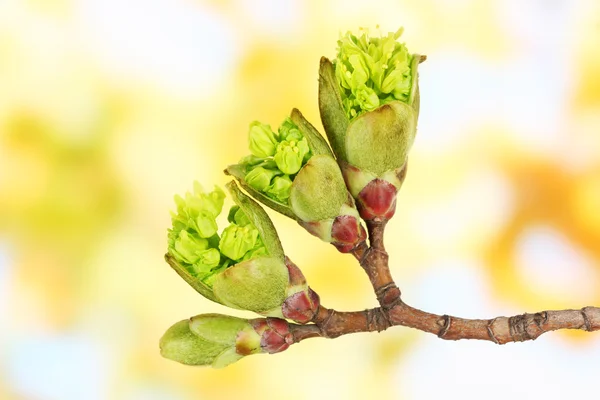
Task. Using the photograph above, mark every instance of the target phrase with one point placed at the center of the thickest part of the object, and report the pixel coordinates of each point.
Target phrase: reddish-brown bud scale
(301, 307)
(347, 233)
(377, 200)
(244, 344)
(296, 276)
(275, 335)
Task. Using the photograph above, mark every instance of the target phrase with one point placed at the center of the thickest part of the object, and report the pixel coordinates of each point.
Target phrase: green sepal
(227, 357)
(238, 171)
(331, 108)
(259, 218)
(316, 142)
(415, 97)
(218, 328)
(193, 281)
(180, 344)
(379, 140)
(319, 190)
(257, 285)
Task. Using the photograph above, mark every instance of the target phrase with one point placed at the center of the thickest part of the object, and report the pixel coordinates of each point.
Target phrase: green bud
(280, 189)
(207, 260)
(316, 196)
(198, 211)
(289, 131)
(289, 155)
(237, 216)
(181, 345)
(260, 178)
(210, 339)
(237, 240)
(368, 69)
(262, 140)
(366, 99)
(371, 124)
(186, 246)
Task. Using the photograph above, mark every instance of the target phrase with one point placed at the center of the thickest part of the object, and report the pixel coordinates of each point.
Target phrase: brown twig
(393, 311)
(500, 330)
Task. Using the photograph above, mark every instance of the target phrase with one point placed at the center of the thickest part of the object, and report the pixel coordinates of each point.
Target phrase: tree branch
(374, 261)
(500, 330)
(393, 311)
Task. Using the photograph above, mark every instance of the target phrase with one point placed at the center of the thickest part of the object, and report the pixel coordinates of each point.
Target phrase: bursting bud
(369, 103)
(306, 185)
(219, 340)
(244, 267)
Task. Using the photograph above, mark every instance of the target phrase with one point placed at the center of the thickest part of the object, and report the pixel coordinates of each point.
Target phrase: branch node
(490, 331)
(388, 295)
(586, 320)
(446, 327)
(377, 319)
(518, 327)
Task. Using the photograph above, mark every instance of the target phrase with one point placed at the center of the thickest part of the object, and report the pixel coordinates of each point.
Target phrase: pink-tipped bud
(377, 200)
(302, 302)
(346, 233)
(301, 306)
(275, 335)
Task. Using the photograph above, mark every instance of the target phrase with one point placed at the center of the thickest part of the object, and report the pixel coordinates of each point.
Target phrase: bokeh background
(108, 108)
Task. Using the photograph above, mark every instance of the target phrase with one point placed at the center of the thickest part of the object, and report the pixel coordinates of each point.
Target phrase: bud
(369, 103)
(262, 140)
(219, 340)
(290, 155)
(244, 267)
(311, 190)
(280, 189)
(260, 178)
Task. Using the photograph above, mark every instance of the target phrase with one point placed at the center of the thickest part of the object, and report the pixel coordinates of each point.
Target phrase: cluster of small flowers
(276, 158)
(194, 242)
(372, 71)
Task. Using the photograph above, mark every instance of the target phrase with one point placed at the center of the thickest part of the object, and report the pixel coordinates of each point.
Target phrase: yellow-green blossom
(372, 71)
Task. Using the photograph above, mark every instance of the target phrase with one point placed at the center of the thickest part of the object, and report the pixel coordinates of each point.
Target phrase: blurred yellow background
(109, 108)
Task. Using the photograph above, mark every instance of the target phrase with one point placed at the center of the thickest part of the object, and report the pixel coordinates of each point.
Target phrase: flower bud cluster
(276, 158)
(372, 71)
(193, 240)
